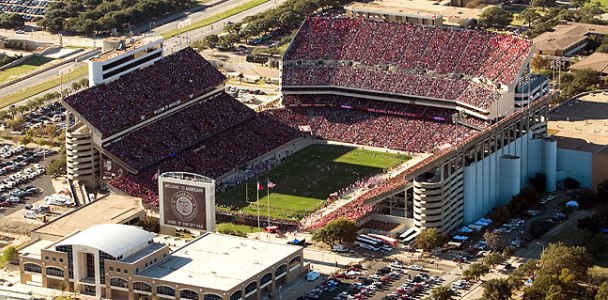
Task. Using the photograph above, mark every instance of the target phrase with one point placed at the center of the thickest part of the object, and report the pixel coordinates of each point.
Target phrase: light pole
(542, 245)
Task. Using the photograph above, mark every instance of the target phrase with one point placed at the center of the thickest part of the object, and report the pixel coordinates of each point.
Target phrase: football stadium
(360, 98)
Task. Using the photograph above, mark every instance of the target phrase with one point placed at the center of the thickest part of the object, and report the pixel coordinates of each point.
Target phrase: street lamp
(542, 245)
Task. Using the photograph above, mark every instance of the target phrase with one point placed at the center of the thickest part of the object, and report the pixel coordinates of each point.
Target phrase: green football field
(306, 178)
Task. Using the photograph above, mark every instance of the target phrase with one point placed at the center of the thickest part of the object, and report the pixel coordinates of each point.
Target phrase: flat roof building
(580, 127)
(567, 39)
(125, 262)
(419, 12)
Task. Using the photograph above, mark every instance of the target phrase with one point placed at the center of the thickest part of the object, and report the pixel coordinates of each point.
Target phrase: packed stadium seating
(423, 61)
(175, 132)
(138, 95)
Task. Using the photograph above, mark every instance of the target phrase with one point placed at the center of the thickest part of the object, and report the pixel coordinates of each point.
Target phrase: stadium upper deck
(120, 104)
(473, 69)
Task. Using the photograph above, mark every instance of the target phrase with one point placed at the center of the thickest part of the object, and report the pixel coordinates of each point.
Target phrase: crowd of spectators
(177, 131)
(375, 129)
(140, 94)
(442, 50)
(420, 85)
(214, 156)
(424, 61)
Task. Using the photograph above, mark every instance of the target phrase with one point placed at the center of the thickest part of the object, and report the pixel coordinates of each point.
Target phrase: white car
(374, 276)
(416, 268)
(38, 166)
(397, 265)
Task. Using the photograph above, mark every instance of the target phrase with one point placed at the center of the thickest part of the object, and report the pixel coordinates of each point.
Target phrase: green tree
(494, 240)
(58, 165)
(475, 271)
(557, 257)
(150, 223)
(441, 293)
(602, 292)
(492, 259)
(10, 254)
(528, 15)
(543, 3)
(539, 181)
(211, 40)
(494, 17)
(341, 231)
(496, 289)
(429, 239)
(556, 292)
(500, 215)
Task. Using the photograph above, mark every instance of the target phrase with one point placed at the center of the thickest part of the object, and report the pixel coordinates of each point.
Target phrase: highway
(171, 45)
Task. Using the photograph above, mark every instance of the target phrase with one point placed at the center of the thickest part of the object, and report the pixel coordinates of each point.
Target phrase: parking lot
(30, 10)
(23, 181)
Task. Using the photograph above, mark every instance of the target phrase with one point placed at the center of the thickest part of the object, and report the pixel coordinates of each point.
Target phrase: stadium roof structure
(219, 261)
(142, 94)
(113, 239)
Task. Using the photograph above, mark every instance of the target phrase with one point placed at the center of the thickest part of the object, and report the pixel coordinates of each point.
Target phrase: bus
(367, 240)
(389, 241)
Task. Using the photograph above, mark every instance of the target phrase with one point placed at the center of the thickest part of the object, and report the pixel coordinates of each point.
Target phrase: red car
(5, 204)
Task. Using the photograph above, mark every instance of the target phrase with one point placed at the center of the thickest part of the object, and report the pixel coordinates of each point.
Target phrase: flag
(260, 187)
(155, 177)
(271, 184)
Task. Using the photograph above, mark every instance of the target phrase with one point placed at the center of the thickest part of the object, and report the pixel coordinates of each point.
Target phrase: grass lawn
(214, 18)
(306, 179)
(39, 88)
(604, 3)
(23, 68)
(236, 227)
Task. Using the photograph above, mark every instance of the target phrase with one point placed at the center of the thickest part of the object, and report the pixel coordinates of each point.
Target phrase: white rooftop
(113, 239)
(219, 261)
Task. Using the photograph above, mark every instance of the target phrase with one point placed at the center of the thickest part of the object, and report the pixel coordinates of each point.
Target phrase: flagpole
(257, 191)
(268, 200)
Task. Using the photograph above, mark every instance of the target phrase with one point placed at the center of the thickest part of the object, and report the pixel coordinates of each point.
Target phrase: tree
(84, 82)
(539, 181)
(10, 254)
(62, 286)
(429, 239)
(441, 293)
(211, 40)
(528, 15)
(497, 289)
(58, 165)
(494, 240)
(341, 231)
(150, 223)
(557, 257)
(494, 17)
(555, 292)
(543, 3)
(508, 252)
(571, 183)
(579, 81)
(492, 259)
(602, 292)
(475, 271)
(500, 215)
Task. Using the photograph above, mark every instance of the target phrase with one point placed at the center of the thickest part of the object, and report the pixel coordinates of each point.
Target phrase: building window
(236, 295)
(155, 259)
(266, 278)
(112, 269)
(53, 271)
(295, 260)
(68, 250)
(118, 270)
(102, 260)
(189, 294)
(126, 271)
(142, 286)
(212, 297)
(119, 282)
(251, 287)
(280, 270)
(61, 260)
(54, 259)
(34, 268)
(46, 258)
(165, 290)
